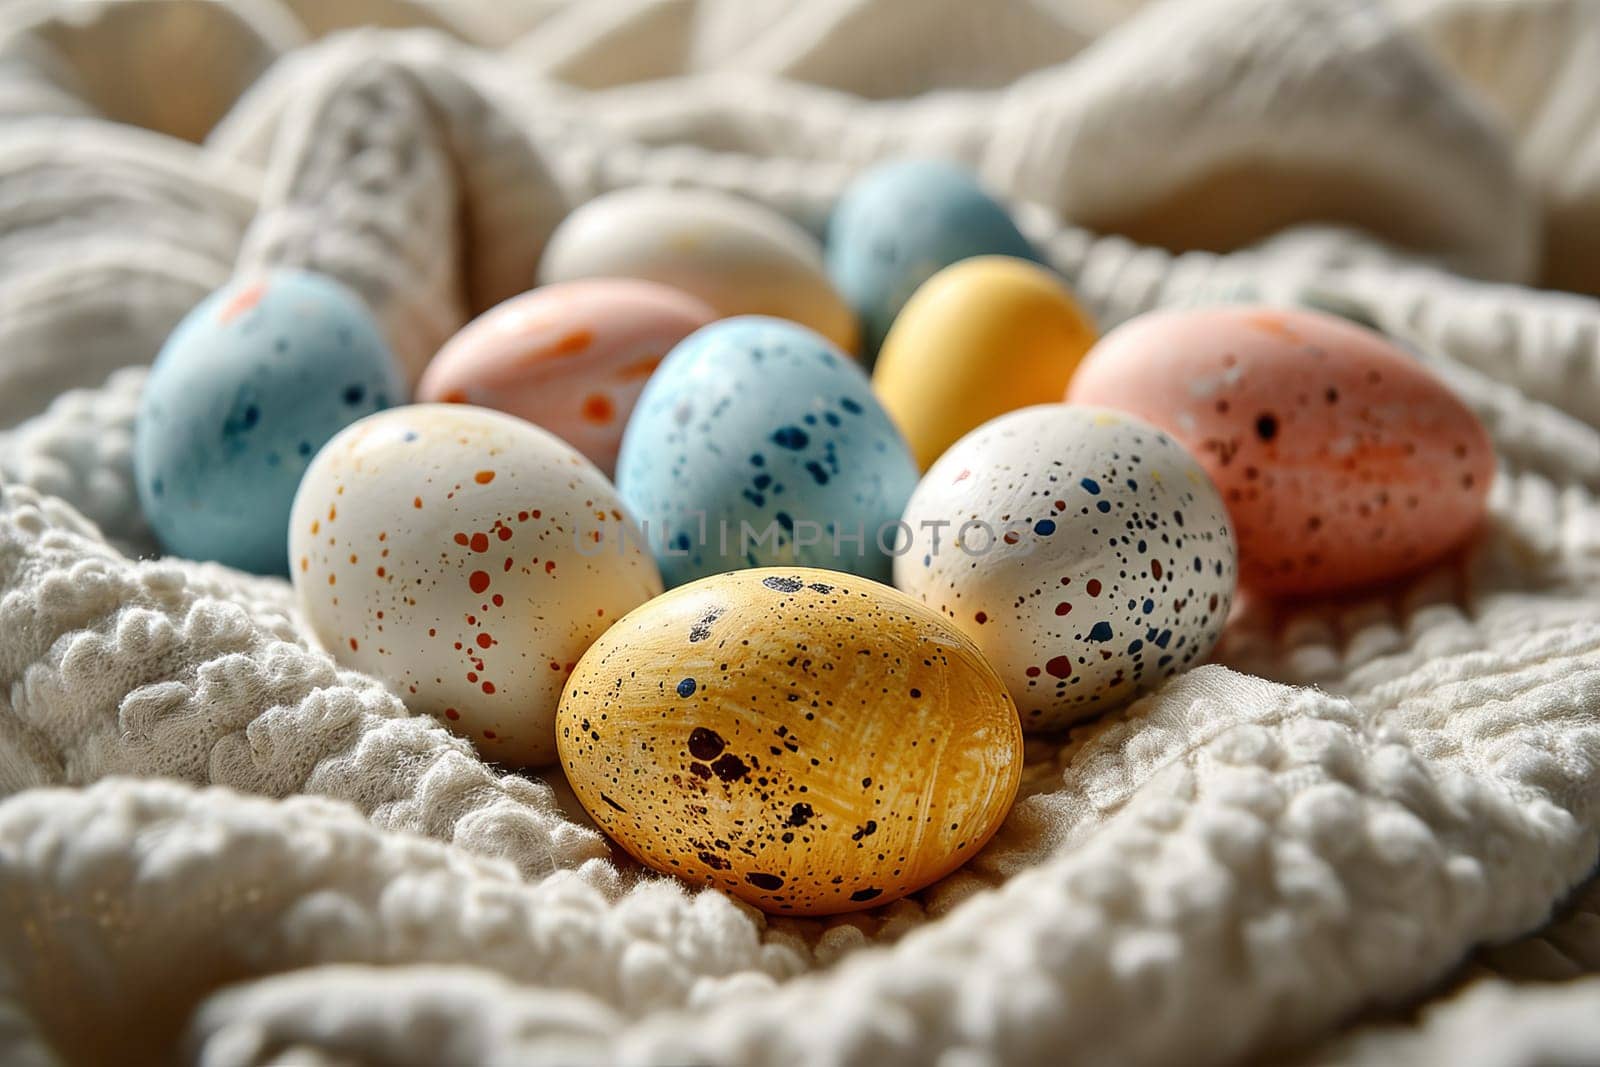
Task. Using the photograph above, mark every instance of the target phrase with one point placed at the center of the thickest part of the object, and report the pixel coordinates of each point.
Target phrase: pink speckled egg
(1342, 460)
(466, 559)
(570, 357)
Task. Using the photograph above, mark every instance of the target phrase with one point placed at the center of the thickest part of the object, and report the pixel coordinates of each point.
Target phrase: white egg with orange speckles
(467, 559)
(1085, 552)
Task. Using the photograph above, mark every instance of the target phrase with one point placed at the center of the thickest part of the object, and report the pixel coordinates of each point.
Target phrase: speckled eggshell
(807, 741)
(760, 422)
(983, 337)
(447, 550)
(1110, 565)
(901, 222)
(253, 381)
(1343, 461)
(570, 357)
(738, 256)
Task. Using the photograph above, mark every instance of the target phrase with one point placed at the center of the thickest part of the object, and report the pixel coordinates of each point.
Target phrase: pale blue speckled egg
(249, 386)
(902, 222)
(757, 442)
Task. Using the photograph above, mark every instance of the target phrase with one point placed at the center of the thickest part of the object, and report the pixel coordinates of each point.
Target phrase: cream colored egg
(452, 553)
(736, 255)
(809, 741)
(982, 337)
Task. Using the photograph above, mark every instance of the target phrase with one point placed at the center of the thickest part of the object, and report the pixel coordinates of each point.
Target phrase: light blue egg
(249, 386)
(756, 442)
(902, 222)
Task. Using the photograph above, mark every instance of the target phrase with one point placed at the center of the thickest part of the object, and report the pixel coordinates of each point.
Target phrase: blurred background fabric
(1362, 837)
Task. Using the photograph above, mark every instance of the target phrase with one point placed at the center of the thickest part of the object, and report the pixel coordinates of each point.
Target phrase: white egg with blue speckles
(757, 442)
(1084, 550)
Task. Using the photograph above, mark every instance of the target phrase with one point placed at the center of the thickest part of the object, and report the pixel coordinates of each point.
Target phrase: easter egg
(901, 222)
(757, 442)
(252, 382)
(738, 256)
(456, 554)
(1084, 551)
(983, 337)
(808, 741)
(1342, 460)
(570, 357)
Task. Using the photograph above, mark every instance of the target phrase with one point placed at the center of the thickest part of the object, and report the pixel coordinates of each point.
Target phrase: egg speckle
(757, 442)
(1343, 461)
(252, 382)
(808, 741)
(466, 559)
(1085, 552)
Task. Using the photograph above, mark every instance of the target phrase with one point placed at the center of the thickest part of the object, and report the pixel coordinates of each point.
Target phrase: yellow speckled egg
(806, 740)
(982, 337)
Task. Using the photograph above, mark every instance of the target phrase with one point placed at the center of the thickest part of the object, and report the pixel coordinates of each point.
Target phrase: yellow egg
(806, 740)
(982, 337)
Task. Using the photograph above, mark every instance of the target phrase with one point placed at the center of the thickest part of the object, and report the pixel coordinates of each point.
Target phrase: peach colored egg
(570, 357)
(1342, 460)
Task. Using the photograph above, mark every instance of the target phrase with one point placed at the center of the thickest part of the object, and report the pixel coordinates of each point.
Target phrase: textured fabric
(216, 846)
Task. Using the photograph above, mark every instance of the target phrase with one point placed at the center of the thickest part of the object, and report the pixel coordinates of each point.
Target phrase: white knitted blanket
(216, 846)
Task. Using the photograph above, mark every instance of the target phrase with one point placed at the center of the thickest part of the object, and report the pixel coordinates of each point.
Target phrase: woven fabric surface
(216, 846)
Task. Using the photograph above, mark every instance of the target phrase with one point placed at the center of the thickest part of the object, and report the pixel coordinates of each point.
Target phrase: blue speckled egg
(757, 442)
(902, 222)
(252, 382)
